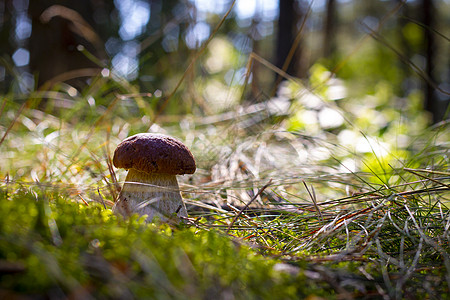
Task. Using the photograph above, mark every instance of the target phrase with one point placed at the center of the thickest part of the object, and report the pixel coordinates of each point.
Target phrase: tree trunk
(405, 46)
(432, 104)
(329, 43)
(429, 56)
(289, 16)
(55, 38)
(7, 24)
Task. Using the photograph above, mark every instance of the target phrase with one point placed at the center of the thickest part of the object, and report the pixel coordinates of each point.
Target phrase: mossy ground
(52, 247)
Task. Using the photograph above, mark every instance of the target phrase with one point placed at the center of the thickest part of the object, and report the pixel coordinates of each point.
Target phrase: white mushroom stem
(155, 195)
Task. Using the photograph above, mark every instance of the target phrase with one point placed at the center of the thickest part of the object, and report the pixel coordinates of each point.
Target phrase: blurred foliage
(153, 51)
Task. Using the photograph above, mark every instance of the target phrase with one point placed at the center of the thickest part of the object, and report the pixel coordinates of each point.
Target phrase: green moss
(72, 248)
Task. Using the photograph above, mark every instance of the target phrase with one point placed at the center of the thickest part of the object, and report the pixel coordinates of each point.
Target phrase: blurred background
(396, 48)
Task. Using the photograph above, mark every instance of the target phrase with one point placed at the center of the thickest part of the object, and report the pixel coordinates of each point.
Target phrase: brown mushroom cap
(154, 153)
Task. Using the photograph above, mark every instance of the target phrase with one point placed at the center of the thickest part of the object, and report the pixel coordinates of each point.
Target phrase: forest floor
(279, 204)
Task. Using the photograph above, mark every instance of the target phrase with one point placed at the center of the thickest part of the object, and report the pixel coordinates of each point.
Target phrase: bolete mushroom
(151, 187)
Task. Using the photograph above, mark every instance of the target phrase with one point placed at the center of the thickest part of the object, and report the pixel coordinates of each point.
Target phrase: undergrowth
(56, 248)
(319, 191)
(271, 211)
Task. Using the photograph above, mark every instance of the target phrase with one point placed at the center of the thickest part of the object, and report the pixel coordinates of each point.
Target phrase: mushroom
(151, 187)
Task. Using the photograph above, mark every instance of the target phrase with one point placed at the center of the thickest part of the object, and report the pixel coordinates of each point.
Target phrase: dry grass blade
(2, 108)
(254, 56)
(247, 205)
(409, 271)
(428, 171)
(445, 255)
(359, 45)
(115, 189)
(13, 121)
(91, 132)
(313, 198)
(101, 198)
(426, 177)
(375, 35)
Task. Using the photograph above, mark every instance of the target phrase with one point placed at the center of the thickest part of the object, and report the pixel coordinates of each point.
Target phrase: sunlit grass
(329, 186)
(376, 215)
(322, 183)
